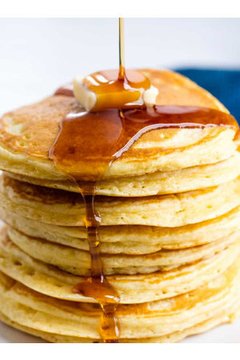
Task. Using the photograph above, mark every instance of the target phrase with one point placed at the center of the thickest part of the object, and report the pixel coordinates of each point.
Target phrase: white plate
(222, 334)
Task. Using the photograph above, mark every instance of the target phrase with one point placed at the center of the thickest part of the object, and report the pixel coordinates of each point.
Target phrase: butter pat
(84, 96)
(150, 96)
(103, 90)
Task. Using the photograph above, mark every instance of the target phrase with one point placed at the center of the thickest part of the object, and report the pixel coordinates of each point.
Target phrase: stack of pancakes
(170, 241)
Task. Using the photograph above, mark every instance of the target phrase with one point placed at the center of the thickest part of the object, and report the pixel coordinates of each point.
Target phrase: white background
(37, 55)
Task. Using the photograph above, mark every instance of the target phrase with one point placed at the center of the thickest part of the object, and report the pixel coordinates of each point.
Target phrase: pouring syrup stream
(121, 74)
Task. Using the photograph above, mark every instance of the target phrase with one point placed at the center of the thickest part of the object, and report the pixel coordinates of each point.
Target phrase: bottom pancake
(215, 302)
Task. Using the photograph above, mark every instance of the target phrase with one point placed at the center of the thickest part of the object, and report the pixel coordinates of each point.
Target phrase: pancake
(130, 239)
(157, 183)
(53, 282)
(79, 262)
(165, 216)
(27, 134)
(154, 319)
(63, 208)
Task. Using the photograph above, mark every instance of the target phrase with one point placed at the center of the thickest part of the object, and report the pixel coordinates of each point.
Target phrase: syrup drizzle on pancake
(88, 143)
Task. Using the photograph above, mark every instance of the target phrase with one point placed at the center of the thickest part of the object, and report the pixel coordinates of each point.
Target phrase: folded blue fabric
(222, 83)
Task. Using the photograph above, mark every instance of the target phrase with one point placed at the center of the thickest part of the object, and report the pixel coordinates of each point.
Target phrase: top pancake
(27, 134)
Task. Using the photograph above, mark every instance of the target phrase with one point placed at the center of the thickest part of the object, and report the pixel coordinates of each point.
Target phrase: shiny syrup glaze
(97, 285)
(88, 143)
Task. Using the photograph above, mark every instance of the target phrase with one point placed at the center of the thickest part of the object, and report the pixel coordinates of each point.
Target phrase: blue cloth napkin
(224, 84)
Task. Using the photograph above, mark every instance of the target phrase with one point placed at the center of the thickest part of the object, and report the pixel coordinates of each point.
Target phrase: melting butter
(103, 90)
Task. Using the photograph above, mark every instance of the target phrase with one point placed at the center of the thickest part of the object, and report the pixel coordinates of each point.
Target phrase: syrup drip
(97, 285)
(88, 143)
